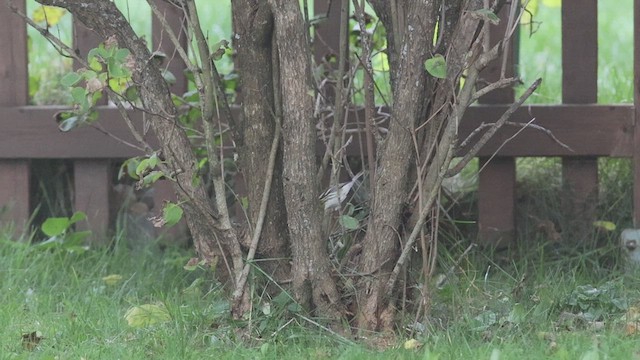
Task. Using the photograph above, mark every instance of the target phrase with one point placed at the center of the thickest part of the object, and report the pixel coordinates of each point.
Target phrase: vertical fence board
(13, 57)
(496, 202)
(327, 34)
(163, 189)
(636, 102)
(84, 39)
(91, 188)
(173, 63)
(580, 86)
(14, 193)
(496, 188)
(14, 91)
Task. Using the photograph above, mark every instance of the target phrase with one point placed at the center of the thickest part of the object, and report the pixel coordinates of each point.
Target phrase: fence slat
(496, 188)
(84, 39)
(14, 193)
(496, 202)
(580, 86)
(175, 18)
(14, 91)
(636, 102)
(91, 189)
(327, 32)
(13, 57)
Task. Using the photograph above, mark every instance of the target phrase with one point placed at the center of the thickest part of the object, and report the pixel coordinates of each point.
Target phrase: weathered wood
(579, 51)
(84, 39)
(31, 132)
(14, 193)
(636, 102)
(91, 188)
(13, 57)
(496, 189)
(580, 177)
(580, 86)
(14, 91)
(161, 41)
(589, 130)
(493, 71)
(327, 32)
(496, 202)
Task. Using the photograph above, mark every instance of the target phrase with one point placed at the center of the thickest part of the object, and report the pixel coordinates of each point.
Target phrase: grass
(483, 310)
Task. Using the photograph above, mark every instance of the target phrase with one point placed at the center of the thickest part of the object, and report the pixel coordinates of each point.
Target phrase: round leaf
(436, 66)
(70, 79)
(55, 226)
(349, 222)
(146, 315)
(172, 213)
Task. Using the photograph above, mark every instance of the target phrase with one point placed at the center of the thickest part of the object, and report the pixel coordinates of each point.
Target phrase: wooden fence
(591, 130)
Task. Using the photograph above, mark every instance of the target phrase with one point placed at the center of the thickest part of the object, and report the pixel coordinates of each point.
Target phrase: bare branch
(242, 278)
(487, 135)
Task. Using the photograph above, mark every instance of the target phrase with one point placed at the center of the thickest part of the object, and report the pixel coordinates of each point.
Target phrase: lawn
(545, 301)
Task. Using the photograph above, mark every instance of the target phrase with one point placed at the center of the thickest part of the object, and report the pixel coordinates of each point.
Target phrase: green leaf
(132, 94)
(51, 14)
(552, 3)
(153, 160)
(169, 77)
(121, 54)
(129, 167)
(143, 166)
(436, 66)
(115, 68)
(77, 216)
(70, 79)
(605, 225)
(79, 95)
(349, 222)
(193, 264)
(146, 315)
(152, 177)
(172, 213)
(55, 226)
(95, 64)
(244, 202)
(487, 15)
(76, 238)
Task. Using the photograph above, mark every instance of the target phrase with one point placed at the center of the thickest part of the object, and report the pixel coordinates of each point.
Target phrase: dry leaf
(31, 340)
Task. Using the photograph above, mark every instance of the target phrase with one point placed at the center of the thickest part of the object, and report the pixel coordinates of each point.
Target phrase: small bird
(330, 197)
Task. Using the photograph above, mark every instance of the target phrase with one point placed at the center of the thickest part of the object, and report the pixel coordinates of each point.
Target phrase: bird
(334, 196)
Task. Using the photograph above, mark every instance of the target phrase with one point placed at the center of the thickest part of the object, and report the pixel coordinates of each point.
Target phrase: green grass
(484, 309)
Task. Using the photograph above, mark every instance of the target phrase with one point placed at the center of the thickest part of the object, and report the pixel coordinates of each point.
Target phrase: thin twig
(528, 124)
(326, 329)
(502, 83)
(487, 135)
(242, 280)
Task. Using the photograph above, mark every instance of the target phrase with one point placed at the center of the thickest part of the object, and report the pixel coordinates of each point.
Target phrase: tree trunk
(381, 244)
(253, 29)
(313, 285)
(202, 218)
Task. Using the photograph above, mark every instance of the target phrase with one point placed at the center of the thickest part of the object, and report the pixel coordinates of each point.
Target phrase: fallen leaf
(412, 344)
(146, 315)
(112, 279)
(31, 340)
